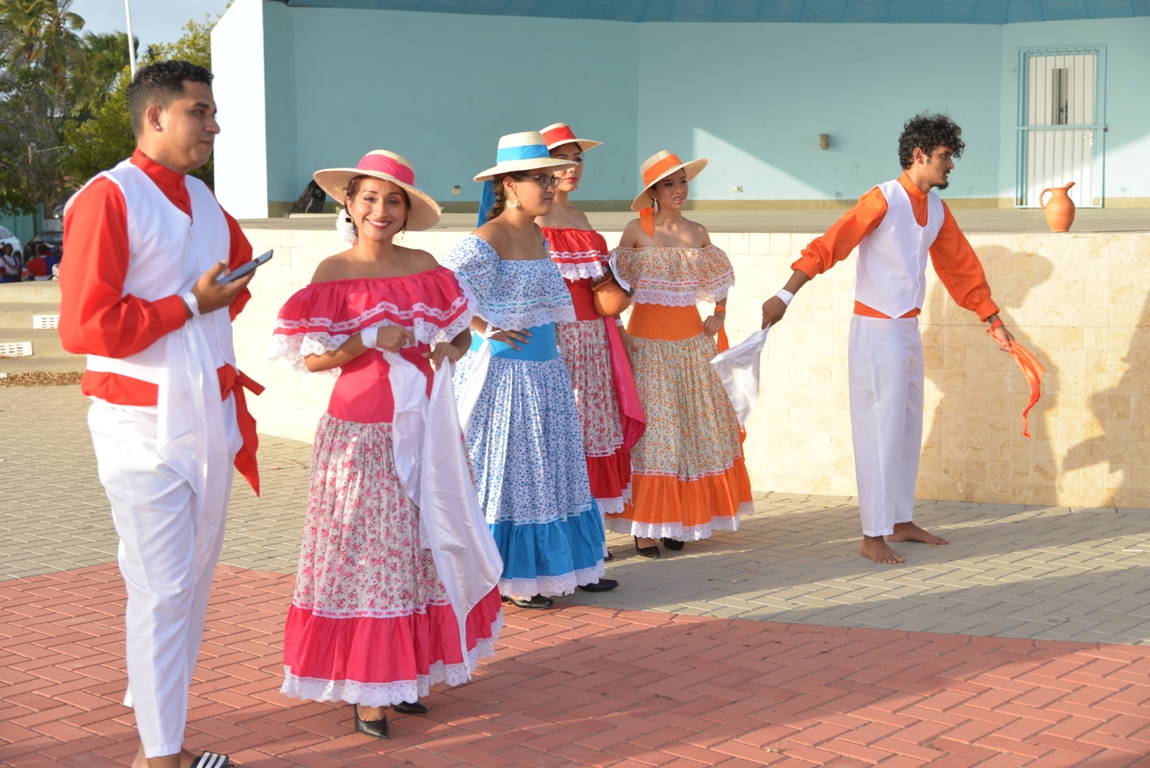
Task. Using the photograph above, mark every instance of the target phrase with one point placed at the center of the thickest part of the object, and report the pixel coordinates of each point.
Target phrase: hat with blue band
(517, 153)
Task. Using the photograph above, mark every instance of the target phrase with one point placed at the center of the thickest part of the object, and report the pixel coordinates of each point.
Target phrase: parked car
(55, 242)
(6, 236)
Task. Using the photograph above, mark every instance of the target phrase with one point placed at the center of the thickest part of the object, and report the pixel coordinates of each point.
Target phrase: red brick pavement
(582, 686)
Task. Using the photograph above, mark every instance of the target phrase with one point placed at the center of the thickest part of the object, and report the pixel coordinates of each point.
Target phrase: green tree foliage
(63, 99)
(106, 138)
(39, 47)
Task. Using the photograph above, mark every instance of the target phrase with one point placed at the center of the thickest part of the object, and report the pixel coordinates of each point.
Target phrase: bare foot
(875, 547)
(911, 532)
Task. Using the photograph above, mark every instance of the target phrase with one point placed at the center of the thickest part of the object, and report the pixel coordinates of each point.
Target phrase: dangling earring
(512, 201)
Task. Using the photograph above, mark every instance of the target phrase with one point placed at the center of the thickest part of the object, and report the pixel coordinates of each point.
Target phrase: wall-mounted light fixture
(456, 190)
(824, 141)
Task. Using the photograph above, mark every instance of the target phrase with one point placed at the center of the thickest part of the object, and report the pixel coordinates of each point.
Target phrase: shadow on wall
(1124, 440)
(974, 450)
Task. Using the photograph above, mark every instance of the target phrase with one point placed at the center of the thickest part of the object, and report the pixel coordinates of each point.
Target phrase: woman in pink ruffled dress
(370, 623)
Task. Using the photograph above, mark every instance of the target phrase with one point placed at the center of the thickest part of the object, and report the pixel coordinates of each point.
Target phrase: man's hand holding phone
(217, 288)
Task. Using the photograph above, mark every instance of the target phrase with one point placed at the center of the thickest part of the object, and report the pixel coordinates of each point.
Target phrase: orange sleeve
(844, 235)
(959, 269)
(239, 253)
(95, 317)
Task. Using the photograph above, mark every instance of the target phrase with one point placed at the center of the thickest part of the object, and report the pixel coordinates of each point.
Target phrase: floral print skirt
(370, 622)
(526, 453)
(585, 350)
(688, 476)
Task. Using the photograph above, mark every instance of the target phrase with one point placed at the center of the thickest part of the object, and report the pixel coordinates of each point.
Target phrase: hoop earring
(512, 202)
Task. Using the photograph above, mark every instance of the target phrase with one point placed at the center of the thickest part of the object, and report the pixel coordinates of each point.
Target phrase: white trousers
(153, 509)
(886, 392)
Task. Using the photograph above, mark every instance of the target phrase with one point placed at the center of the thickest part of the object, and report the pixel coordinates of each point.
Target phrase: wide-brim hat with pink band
(388, 166)
(558, 134)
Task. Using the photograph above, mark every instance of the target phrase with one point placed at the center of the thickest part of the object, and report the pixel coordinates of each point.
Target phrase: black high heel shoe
(672, 544)
(651, 551)
(416, 707)
(376, 728)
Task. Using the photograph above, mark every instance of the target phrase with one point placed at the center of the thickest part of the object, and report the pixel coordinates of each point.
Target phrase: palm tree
(45, 35)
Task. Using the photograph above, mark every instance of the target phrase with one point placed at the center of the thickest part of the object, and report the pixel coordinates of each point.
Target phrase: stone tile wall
(1080, 303)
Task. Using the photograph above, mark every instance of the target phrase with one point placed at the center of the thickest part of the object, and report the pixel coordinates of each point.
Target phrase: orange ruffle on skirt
(688, 475)
(686, 510)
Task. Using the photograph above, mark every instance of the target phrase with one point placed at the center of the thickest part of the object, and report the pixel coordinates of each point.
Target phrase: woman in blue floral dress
(516, 401)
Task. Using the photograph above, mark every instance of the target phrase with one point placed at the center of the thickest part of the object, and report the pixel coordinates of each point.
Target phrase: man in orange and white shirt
(140, 296)
(895, 226)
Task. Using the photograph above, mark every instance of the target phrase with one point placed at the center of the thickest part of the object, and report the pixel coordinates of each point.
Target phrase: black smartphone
(244, 269)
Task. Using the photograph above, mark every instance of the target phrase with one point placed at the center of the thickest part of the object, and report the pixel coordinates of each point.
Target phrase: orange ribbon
(1033, 371)
(650, 176)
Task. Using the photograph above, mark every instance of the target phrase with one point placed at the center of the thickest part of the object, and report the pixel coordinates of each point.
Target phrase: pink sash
(631, 415)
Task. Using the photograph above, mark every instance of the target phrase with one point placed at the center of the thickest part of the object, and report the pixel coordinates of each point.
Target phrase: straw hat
(519, 152)
(658, 167)
(558, 134)
(381, 164)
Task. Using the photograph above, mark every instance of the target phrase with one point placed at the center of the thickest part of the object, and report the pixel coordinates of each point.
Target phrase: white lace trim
(579, 270)
(611, 506)
(387, 694)
(678, 531)
(551, 586)
(520, 517)
(386, 613)
(372, 316)
(684, 478)
(679, 298)
(295, 347)
(508, 318)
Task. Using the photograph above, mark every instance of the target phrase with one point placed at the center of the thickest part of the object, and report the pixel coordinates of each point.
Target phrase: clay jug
(1059, 209)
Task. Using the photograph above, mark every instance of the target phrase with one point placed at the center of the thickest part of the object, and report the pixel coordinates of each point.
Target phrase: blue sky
(153, 21)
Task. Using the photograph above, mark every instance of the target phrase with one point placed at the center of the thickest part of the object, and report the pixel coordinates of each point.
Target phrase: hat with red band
(558, 134)
(388, 166)
(654, 169)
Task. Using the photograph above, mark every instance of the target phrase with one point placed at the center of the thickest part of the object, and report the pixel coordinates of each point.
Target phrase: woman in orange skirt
(688, 477)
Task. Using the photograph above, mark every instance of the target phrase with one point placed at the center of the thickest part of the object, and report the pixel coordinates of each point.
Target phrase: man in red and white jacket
(140, 296)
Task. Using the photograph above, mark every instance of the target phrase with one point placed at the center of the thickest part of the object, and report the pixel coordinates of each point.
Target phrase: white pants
(153, 509)
(886, 391)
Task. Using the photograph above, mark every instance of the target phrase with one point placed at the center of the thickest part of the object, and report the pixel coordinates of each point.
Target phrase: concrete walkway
(1025, 642)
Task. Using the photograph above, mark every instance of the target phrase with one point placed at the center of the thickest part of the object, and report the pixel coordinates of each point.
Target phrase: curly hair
(926, 132)
(160, 84)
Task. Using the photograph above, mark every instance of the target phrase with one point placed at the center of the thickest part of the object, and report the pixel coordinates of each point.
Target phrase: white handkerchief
(738, 369)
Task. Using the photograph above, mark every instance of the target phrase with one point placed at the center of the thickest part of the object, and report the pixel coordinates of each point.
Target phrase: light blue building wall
(332, 83)
(753, 99)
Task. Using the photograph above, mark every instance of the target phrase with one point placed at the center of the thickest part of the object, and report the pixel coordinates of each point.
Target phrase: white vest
(196, 434)
(891, 273)
(167, 252)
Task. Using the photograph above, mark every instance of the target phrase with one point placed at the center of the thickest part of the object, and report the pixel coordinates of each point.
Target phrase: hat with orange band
(656, 168)
(558, 134)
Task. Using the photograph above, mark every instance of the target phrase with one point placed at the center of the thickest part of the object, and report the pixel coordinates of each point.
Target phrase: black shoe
(602, 585)
(608, 557)
(211, 760)
(376, 728)
(651, 551)
(416, 707)
(537, 601)
(672, 544)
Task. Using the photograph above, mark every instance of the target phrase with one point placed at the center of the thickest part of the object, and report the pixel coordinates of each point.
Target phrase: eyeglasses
(545, 182)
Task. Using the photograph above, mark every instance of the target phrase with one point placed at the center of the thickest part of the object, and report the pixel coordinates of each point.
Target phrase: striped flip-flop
(211, 760)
